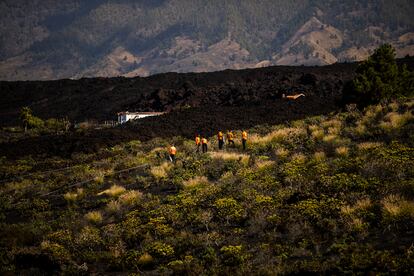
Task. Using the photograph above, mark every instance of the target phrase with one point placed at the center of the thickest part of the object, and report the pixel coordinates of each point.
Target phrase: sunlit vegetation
(320, 195)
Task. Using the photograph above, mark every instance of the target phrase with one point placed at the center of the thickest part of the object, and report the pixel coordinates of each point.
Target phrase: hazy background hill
(46, 39)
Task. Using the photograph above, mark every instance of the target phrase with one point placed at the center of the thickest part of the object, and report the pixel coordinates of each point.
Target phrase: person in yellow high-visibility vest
(220, 138)
(230, 138)
(204, 144)
(172, 151)
(244, 139)
(198, 142)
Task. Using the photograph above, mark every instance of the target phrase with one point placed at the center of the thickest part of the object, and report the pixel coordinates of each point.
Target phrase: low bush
(114, 191)
(326, 195)
(94, 217)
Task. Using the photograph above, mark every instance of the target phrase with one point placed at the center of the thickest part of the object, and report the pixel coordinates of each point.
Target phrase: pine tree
(379, 78)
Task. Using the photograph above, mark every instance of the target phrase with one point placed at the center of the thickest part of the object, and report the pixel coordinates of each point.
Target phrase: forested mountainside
(73, 39)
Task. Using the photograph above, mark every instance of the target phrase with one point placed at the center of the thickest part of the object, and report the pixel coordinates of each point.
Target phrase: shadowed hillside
(331, 194)
(47, 39)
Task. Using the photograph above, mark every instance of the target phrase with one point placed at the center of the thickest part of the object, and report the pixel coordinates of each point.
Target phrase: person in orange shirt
(204, 144)
(198, 142)
(220, 138)
(244, 139)
(172, 151)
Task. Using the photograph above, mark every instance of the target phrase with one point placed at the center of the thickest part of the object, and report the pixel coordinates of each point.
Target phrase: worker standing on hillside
(244, 139)
(220, 138)
(230, 137)
(204, 144)
(172, 151)
(198, 142)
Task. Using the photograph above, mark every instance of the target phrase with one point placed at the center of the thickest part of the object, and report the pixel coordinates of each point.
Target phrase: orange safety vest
(197, 140)
(173, 150)
(244, 135)
(204, 141)
(220, 135)
(230, 136)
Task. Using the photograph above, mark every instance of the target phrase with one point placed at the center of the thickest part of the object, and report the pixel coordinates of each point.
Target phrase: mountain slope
(327, 195)
(50, 40)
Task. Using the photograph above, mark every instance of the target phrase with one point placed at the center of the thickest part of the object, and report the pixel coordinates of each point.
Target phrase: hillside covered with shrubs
(330, 194)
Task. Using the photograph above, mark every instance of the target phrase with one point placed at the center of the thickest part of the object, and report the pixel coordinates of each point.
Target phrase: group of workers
(203, 142)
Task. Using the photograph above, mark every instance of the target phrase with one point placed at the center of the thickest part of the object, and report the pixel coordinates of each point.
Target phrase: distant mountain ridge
(73, 39)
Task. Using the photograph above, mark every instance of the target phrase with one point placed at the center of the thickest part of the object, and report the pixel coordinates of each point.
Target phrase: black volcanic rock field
(203, 103)
(102, 98)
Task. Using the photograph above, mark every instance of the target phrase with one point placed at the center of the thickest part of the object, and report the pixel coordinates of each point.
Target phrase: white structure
(125, 116)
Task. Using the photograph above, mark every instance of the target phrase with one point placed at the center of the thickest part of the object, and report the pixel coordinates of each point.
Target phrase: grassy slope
(330, 194)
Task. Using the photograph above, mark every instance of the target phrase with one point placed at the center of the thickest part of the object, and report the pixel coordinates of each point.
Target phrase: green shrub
(57, 251)
(30, 121)
(89, 238)
(161, 249)
(232, 255)
(228, 209)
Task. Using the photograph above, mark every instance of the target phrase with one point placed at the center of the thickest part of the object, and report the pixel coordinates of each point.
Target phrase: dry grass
(342, 151)
(94, 217)
(392, 204)
(157, 150)
(73, 197)
(130, 198)
(330, 138)
(396, 206)
(114, 191)
(318, 134)
(243, 158)
(282, 153)
(279, 135)
(361, 204)
(393, 106)
(409, 104)
(357, 224)
(319, 156)
(360, 128)
(394, 120)
(299, 124)
(372, 112)
(334, 130)
(227, 176)
(162, 170)
(99, 179)
(196, 181)
(145, 260)
(264, 163)
(313, 127)
(299, 157)
(369, 145)
(347, 210)
(113, 207)
(333, 123)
